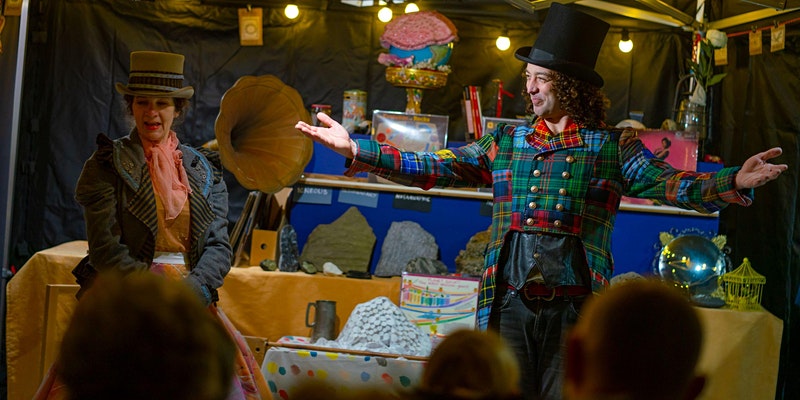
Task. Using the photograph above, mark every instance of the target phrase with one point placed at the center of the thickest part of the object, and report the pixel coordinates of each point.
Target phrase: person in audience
(319, 389)
(639, 340)
(141, 336)
(152, 203)
(470, 364)
(557, 185)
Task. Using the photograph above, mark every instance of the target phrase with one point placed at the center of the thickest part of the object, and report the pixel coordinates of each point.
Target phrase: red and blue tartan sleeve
(466, 166)
(648, 177)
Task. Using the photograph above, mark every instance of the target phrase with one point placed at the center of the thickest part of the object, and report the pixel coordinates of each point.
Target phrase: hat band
(152, 87)
(155, 75)
(155, 81)
(539, 54)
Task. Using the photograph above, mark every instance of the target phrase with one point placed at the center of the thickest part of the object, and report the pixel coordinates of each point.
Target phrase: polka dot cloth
(287, 369)
(376, 326)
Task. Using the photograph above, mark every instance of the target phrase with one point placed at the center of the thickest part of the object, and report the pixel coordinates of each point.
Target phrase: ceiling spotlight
(503, 42)
(385, 14)
(411, 8)
(625, 44)
(291, 11)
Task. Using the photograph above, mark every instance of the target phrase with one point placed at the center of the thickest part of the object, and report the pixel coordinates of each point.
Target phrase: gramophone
(256, 136)
(259, 145)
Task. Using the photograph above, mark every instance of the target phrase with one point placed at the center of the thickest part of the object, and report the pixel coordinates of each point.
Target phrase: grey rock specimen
(347, 242)
(288, 255)
(426, 266)
(268, 265)
(405, 241)
(470, 260)
(308, 267)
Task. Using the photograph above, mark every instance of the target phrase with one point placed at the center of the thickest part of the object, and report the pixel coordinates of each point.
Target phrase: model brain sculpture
(421, 40)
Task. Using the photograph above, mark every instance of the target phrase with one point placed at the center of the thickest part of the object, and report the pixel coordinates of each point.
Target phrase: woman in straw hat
(154, 204)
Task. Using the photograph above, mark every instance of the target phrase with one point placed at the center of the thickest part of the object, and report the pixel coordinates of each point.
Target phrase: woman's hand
(756, 171)
(334, 137)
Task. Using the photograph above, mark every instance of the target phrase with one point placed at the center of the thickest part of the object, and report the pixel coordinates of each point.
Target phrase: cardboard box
(259, 227)
(263, 246)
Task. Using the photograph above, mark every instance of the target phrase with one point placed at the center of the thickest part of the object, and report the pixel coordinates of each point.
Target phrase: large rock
(287, 249)
(405, 241)
(346, 242)
(426, 266)
(470, 260)
(380, 325)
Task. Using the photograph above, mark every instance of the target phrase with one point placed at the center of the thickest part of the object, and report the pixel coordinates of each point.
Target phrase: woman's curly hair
(582, 101)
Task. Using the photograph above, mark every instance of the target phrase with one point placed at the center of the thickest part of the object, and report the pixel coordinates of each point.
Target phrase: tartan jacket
(119, 204)
(568, 184)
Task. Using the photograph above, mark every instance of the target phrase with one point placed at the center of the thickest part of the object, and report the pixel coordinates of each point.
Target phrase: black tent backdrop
(78, 50)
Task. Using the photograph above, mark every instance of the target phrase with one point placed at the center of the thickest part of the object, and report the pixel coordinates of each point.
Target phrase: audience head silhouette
(471, 364)
(317, 389)
(638, 340)
(141, 336)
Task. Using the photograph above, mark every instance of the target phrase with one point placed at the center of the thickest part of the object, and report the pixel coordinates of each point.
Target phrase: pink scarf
(167, 173)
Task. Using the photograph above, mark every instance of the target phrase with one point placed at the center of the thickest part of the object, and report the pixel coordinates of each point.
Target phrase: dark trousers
(536, 330)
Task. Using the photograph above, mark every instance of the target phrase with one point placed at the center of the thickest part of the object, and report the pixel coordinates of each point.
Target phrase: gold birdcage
(743, 288)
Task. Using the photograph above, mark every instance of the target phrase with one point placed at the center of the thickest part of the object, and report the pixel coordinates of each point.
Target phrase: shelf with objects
(323, 196)
(453, 216)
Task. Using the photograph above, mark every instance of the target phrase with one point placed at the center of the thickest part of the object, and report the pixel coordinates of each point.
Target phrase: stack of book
(472, 112)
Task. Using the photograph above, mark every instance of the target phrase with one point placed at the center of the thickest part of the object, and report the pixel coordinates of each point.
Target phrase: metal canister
(317, 108)
(354, 109)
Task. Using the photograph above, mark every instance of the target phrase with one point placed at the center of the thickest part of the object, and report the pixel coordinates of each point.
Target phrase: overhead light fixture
(385, 14)
(359, 3)
(411, 8)
(503, 42)
(625, 44)
(368, 3)
(291, 11)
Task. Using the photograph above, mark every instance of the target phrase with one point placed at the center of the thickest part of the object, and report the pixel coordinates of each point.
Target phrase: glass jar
(317, 108)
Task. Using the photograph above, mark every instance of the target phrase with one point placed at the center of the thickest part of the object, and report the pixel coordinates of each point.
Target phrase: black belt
(538, 291)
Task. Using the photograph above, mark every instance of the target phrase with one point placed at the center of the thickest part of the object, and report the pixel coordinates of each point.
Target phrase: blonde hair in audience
(472, 364)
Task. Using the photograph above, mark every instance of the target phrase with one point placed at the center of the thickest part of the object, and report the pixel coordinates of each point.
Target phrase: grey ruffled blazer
(117, 195)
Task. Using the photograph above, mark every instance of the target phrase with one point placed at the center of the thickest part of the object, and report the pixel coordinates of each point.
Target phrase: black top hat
(568, 42)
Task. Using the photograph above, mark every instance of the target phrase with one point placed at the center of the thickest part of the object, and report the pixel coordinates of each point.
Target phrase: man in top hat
(557, 185)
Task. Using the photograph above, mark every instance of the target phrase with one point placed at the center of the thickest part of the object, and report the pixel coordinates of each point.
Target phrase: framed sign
(410, 132)
(677, 148)
(439, 304)
(12, 8)
(490, 123)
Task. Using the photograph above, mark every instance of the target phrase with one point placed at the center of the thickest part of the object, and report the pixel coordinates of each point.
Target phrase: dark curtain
(759, 108)
(78, 50)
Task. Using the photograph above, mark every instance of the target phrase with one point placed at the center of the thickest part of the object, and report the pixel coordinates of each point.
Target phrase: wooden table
(740, 353)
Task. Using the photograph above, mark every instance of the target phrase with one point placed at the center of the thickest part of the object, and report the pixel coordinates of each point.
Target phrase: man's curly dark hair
(582, 101)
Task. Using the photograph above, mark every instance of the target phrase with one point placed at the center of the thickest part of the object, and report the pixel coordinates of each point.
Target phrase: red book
(476, 111)
(467, 109)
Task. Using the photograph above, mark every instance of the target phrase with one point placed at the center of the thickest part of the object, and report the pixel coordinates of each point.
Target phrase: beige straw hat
(156, 74)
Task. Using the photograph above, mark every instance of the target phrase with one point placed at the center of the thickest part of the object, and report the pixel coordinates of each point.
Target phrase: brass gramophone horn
(256, 136)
